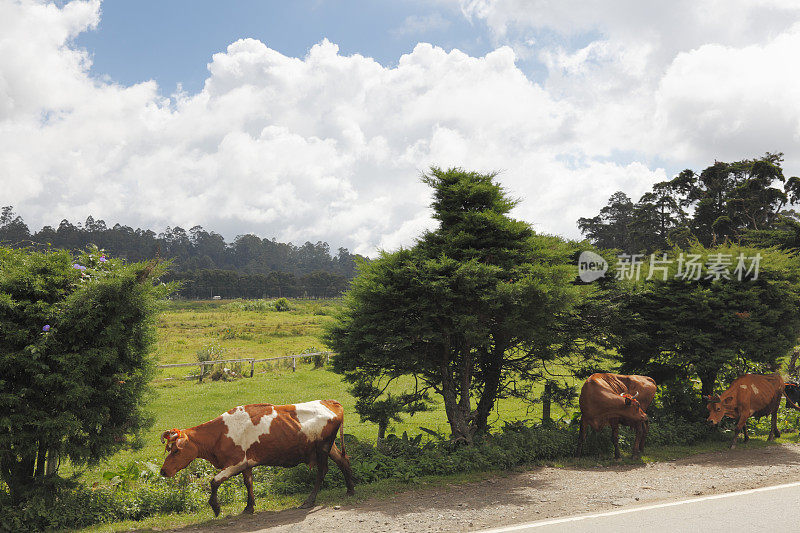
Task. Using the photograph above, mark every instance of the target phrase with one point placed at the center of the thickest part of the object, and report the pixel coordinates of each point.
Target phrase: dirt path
(537, 494)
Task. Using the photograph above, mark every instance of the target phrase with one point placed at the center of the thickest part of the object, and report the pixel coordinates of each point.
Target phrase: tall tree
(462, 311)
(611, 228)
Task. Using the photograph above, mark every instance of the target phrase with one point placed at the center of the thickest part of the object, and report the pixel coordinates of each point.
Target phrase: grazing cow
(614, 399)
(749, 395)
(262, 434)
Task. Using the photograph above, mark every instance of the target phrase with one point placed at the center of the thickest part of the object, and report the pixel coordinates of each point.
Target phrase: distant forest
(206, 265)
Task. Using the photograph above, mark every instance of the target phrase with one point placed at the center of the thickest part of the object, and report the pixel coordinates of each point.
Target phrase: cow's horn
(635, 395)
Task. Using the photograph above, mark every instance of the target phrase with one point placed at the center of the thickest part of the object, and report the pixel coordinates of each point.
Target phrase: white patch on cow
(743, 386)
(242, 430)
(313, 416)
(755, 390)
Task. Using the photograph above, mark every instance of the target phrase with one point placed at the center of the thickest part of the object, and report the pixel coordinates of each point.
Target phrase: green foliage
(697, 328)
(75, 365)
(63, 505)
(726, 202)
(281, 304)
(470, 309)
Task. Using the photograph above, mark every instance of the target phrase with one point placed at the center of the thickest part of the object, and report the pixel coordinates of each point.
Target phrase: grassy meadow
(186, 327)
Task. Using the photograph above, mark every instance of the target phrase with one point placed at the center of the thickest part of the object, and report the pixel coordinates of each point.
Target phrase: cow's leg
(638, 441)
(344, 465)
(247, 475)
(212, 500)
(746, 433)
(615, 438)
(322, 469)
(741, 424)
(219, 479)
(645, 431)
(581, 437)
(773, 432)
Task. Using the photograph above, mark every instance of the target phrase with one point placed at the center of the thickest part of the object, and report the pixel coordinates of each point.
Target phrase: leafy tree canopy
(466, 313)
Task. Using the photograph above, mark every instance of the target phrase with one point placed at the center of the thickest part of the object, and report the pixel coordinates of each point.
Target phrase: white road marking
(313, 416)
(542, 523)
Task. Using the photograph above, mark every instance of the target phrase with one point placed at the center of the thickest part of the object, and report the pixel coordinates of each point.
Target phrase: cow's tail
(341, 435)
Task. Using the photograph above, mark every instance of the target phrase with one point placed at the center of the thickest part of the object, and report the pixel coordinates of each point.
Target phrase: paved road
(773, 508)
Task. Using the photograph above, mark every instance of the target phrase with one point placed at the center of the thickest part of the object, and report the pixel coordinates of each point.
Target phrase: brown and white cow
(262, 434)
(753, 395)
(614, 399)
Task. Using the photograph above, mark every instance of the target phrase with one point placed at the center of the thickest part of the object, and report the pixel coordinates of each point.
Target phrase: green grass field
(187, 327)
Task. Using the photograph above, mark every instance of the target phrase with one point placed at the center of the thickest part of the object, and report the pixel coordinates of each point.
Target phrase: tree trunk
(708, 379)
(546, 420)
(40, 461)
(491, 388)
(458, 419)
(52, 461)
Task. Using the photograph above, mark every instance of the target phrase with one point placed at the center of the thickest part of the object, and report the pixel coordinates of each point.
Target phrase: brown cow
(614, 399)
(262, 434)
(749, 395)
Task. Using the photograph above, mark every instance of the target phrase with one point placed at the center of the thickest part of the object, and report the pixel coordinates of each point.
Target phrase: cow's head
(636, 412)
(719, 407)
(792, 391)
(180, 449)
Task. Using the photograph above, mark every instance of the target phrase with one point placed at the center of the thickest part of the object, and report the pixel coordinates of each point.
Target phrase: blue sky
(282, 131)
(172, 41)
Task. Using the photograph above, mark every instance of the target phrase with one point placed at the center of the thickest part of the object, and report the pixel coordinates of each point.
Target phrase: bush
(67, 505)
(281, 304)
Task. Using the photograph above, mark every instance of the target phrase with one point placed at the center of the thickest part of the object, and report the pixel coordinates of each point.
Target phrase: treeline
(206, 265)
(742, 202)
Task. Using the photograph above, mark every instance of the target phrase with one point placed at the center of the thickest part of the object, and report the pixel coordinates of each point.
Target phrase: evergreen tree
(463, 311)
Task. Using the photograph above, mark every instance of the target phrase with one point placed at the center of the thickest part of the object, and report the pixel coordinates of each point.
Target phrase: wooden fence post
(252, 367)
(200, 377)
(294, 364)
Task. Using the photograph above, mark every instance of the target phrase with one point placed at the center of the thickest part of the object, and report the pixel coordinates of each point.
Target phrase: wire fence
(252, 361)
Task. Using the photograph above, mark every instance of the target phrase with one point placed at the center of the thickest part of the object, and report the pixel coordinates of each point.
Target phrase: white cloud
(331, 147)
(687, 82)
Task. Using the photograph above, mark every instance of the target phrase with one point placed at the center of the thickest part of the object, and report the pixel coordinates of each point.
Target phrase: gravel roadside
(536, 494)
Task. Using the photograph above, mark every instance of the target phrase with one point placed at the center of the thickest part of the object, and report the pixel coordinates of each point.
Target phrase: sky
(314, 120)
